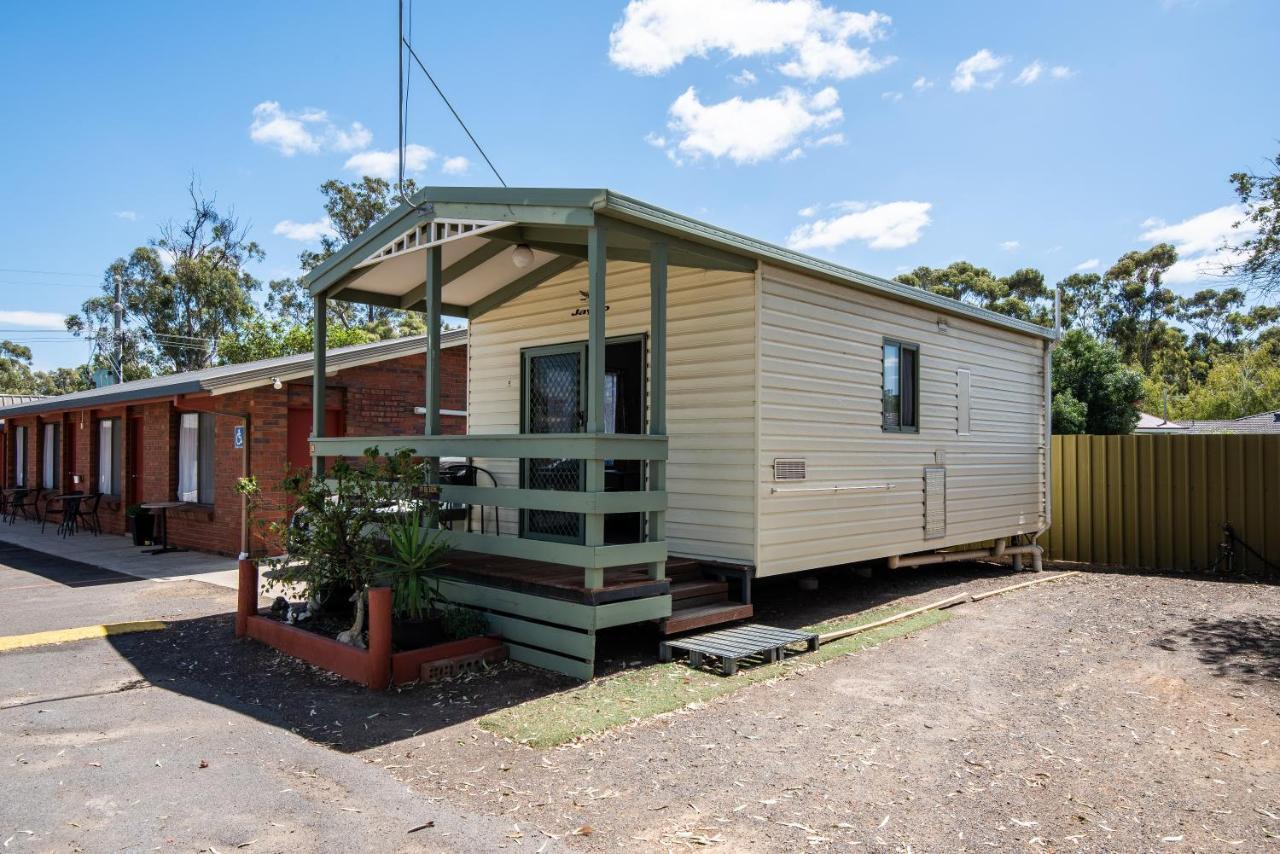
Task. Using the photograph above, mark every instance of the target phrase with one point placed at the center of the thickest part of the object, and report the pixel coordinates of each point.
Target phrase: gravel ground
(1108, 712)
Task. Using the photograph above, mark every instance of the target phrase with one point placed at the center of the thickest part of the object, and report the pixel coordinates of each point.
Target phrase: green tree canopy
(15, 369)
(1021, 294)
(1094, 391)
(269, 338)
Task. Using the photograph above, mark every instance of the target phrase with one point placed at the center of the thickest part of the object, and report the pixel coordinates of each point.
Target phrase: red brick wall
(377, 399)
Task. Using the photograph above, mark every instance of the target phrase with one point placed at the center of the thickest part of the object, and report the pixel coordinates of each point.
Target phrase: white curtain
(20, 456)
(49, 468)
(188, 457)
(106, 463)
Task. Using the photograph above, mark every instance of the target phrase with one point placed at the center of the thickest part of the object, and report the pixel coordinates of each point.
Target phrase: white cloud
(921, 84)
(793, 154)
(829, 139)
(386, 164)
(129, 216)
(309, 131)
(1037, 69)
(809, 212)
(743, 77)
(1200, 241)
(37, 319)
(981, 70)
(305, 232)
(885, 226)
(657, 35)
(1010, 245)
(891, 97)
(1030, 74)
(1091, 264)
(455, 165)
(746, 131)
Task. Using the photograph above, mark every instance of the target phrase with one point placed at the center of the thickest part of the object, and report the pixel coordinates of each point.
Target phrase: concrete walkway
(119, 554)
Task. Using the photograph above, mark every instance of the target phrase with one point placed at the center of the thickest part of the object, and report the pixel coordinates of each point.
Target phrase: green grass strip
(633, 695)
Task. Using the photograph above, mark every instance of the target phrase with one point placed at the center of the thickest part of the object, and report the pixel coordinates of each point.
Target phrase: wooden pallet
(729, 646)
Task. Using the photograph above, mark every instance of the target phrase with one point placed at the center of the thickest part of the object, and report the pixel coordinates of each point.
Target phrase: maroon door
(134, 467)
(299, 448)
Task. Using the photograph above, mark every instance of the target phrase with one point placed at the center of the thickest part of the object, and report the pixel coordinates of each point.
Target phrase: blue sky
(881, 135)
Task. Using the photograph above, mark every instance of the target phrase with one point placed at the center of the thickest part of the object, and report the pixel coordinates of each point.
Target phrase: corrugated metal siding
(820, 362)
(710, 389)
(1160, 501)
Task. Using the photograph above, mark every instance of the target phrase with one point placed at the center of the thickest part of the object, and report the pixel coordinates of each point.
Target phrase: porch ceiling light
(522, 256)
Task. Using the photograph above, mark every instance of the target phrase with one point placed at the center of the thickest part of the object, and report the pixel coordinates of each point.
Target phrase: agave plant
(415, 549)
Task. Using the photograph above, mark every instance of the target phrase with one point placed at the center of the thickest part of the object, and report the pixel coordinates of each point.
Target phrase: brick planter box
(377, 667)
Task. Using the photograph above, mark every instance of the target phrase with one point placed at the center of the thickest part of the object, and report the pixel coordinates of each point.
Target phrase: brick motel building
(189, 437)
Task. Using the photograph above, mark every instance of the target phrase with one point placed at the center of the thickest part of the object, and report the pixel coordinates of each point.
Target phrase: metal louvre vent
(935, 502)
(790, 469)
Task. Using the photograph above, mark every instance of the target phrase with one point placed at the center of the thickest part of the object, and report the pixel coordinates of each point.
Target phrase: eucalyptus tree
(179, 293)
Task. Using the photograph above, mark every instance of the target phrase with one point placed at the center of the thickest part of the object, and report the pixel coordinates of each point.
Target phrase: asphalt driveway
(99, 756)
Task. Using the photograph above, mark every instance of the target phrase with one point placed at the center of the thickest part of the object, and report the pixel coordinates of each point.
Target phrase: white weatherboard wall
(820, 394)
(710, 389)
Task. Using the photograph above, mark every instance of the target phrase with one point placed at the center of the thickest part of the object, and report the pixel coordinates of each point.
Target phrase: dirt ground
(1110, 712)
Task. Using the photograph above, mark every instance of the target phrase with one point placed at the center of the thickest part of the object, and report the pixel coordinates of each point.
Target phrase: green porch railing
(593, 557)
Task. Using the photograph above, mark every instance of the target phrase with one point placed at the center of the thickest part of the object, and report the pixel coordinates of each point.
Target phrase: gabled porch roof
(477, 229)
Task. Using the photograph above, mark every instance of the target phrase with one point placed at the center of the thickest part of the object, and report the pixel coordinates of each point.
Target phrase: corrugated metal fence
(1158, 502)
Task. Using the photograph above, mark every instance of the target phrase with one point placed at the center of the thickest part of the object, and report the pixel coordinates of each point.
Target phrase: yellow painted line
(57, 636)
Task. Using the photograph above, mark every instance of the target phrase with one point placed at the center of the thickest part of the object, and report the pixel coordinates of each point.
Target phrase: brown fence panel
(1159, 502)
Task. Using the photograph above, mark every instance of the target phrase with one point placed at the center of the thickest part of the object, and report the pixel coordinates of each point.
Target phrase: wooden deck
(553, 580)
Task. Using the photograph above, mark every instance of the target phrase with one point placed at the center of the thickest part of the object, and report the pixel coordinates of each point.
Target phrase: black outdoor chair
(21, 501)
(64, 508)
(465, 474)
(87, 512)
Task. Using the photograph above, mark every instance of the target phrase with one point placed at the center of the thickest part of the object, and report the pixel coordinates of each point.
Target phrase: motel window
(19, 456)
(49, 457)
(195, 458)
(109, 456)
(901, 392)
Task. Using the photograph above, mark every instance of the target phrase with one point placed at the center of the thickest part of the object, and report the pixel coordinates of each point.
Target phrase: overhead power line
(403, 107)
(49, 273)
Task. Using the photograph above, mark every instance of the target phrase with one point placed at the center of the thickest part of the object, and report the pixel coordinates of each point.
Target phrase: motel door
(554, 395)
(299, 435)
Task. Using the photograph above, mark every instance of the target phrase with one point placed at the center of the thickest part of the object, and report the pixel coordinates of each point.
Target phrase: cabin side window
(900, 388)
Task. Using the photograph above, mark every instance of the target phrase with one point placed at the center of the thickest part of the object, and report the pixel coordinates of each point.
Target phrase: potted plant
(141, 524)
(414, 550)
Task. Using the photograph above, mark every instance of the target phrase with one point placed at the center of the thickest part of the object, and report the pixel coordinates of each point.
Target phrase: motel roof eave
(225, 379)
(578, 208)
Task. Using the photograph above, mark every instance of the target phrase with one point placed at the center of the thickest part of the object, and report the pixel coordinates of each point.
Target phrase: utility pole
(118, 339)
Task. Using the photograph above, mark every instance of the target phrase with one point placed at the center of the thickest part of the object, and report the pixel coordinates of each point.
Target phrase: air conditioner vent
(792, 469)
(935, 502)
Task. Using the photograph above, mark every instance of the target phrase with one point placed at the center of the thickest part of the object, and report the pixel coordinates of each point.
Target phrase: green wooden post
(596, 267)
(433, 300)
(319, 348)
(657, 390)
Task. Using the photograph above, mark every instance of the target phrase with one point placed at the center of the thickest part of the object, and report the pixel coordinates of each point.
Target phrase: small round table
(163, 507)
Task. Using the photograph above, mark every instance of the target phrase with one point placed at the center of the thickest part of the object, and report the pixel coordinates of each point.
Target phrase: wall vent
(789, 469)
(935, 502)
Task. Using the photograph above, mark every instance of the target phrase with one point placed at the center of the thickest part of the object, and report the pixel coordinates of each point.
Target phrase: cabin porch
(565, 571)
